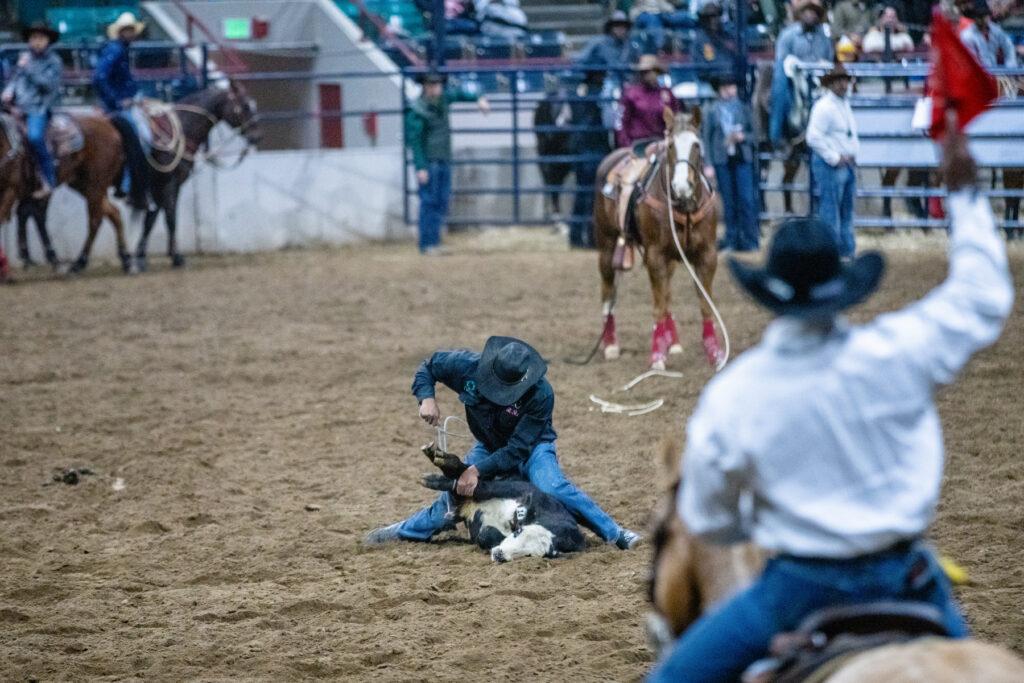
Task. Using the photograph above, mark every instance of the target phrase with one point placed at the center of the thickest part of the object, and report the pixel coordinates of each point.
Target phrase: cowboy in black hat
(35, 90)
(614, 48)
(830, 432)
(508, 407)
(429, 136)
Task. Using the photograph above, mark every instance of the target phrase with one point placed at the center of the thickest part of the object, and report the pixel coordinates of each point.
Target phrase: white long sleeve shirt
(829, 444)
(832, 130)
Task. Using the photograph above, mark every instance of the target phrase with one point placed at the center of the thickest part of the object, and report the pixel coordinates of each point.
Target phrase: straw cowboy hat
(810, 4)
(649, 63)
(804, 276)
(837, 73)
(40, 27)
(508, 368)
(126, 20)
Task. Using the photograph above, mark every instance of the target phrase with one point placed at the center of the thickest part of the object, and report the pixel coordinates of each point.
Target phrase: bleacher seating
(86, 24)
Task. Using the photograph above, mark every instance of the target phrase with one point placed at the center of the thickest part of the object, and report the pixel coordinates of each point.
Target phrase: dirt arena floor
(257, 412)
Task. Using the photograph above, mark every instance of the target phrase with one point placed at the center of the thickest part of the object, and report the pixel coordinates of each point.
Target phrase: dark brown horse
(198, 114)
(12, 161)
(678, 195)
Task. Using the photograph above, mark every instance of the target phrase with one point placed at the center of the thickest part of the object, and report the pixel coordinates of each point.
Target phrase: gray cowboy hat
(508, 368)
(40, 27)
(804, 276)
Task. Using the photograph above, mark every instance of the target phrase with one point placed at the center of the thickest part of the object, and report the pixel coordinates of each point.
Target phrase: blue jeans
(780, 104)
(543, 471)
(581, 223)
(36, 124)
(835, 187)
(434, 197)
(721, 644)
(739, 197)
(654, 26)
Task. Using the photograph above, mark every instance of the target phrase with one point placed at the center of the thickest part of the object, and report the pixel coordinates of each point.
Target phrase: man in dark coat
(586, 108)
(508, 407)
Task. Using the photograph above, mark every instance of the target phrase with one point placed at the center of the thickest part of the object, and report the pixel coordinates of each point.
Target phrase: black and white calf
(511, 518)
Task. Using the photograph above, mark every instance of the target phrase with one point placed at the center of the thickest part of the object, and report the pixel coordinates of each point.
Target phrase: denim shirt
(113, 76)
(510, 433)
(36, 85)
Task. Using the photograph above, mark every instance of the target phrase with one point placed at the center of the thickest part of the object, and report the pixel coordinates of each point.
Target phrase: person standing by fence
(727, 132)
(428, 134)
(586, 108)
(832, 137)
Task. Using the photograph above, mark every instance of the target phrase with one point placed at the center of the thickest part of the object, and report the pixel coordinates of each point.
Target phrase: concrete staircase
(579, 20)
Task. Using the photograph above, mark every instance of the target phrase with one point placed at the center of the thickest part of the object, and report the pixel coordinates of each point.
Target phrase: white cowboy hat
(127, 19)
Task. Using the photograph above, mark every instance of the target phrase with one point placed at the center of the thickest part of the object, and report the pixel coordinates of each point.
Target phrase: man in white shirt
(832, 137)
(823, 445)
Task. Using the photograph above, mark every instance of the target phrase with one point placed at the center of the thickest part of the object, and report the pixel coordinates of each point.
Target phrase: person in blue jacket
(35, 89)
(117, 90)
(508, 407)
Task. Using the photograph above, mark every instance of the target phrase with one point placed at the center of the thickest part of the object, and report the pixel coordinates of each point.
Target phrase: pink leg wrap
(711, 348)
(673, 332)
(608, 337)
(4, 270)
(661, 340)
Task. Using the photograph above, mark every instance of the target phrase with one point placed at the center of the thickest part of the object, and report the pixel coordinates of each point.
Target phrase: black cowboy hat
(40, 27)
(433, 77)
(977, 9)
(617, 18)
(804, 276)
(508, 368)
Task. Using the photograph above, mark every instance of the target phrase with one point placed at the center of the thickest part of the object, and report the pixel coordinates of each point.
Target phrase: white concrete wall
(272, 200)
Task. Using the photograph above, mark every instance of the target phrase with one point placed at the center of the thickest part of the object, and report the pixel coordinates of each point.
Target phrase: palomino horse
(679, 194)
(689, 576)
(198, 114)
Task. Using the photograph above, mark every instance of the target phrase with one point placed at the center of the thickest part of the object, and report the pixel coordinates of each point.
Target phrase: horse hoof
(141, 263)
(127, 265)
(612, 352)
(675, 349)
(78, 266)
(177, 261)
(658, 364)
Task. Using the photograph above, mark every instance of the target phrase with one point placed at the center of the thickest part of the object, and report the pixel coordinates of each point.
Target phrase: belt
(901, 547)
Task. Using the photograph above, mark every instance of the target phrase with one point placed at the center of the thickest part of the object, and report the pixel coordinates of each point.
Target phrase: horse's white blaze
(533, 541)
(496, 512)
(683, 142)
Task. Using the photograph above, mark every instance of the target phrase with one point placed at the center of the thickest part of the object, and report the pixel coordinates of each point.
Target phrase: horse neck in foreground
(688, 577)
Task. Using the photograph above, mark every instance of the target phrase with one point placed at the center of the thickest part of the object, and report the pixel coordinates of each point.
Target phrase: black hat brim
(857, 281)
(617, 22)
(426, 79)
(501, 393)
(53, 35)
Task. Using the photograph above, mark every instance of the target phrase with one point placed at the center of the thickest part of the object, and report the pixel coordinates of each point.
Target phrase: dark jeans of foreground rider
(721, 644)
(434, 197)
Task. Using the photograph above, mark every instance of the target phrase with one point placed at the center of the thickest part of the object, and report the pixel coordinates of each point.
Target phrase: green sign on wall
(238, 29)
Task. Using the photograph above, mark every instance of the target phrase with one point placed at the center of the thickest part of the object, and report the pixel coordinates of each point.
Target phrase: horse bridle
(240, 130)
(691, 205)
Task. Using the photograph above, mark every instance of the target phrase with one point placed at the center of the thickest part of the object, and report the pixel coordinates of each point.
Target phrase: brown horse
(678, 194)
(689, 576)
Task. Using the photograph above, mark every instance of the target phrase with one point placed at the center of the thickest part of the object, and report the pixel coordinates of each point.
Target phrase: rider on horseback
(118, 91)
(35, 89)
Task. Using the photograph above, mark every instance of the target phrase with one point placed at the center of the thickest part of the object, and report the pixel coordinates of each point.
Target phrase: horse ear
(695, 118)
(670, 118)
(668, 459)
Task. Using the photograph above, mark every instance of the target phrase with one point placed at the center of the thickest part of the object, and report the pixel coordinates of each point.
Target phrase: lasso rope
(686, 262)
(175, 145)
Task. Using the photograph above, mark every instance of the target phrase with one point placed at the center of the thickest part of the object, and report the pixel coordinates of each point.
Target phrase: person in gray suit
(728, 136)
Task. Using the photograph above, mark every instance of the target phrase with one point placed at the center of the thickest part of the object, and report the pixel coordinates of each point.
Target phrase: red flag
(957, 80)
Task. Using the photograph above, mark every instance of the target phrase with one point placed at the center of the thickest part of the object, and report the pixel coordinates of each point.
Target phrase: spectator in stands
(851, 19)
(587, 111)
(807, 41)
(614, 48)
(118, 91)
(459, 17)
(643, 103)
(899, 39)
(654, 16)
(501, 18)
(35, 89)
(428, 131)
(832, 137)
(712, 45)
(988, 40)
(727, 132)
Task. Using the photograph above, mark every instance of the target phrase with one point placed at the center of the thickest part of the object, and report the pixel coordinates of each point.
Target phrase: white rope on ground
(651, 373)
(693, 274)
(628, 410)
